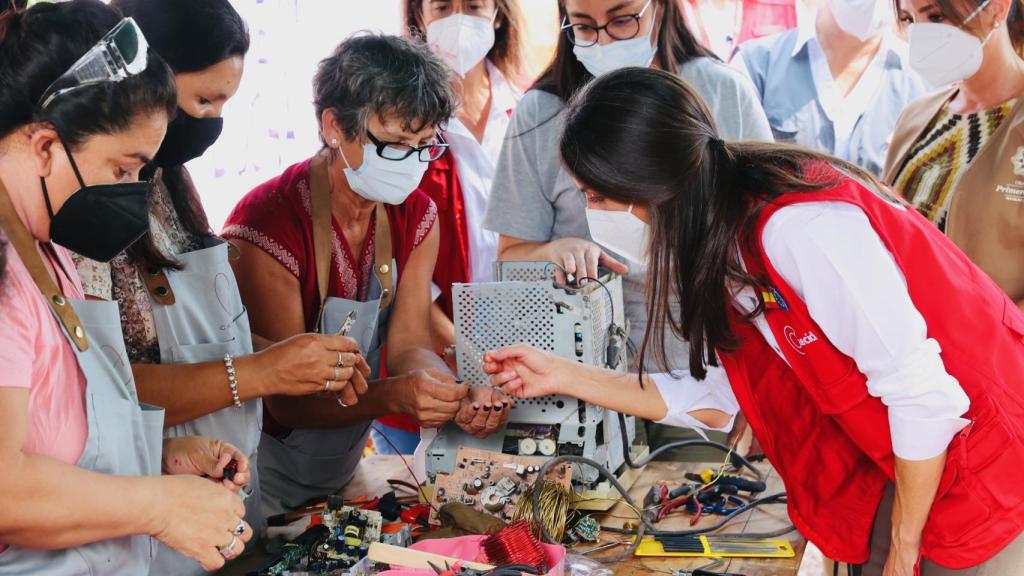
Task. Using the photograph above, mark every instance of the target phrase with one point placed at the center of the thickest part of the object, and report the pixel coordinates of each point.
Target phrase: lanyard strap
(25, 246)
(320, 205)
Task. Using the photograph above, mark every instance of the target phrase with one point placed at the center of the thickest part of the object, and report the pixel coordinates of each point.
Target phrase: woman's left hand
(902, 560)
(206, 457)
(484, 411)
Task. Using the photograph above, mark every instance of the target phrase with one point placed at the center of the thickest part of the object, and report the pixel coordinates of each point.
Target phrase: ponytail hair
(644, 136)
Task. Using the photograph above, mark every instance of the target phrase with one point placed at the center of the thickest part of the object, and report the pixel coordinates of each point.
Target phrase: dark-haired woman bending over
(819, 306)
(74, 439)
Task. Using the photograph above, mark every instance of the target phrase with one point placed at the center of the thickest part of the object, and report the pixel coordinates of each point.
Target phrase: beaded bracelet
(229, 363)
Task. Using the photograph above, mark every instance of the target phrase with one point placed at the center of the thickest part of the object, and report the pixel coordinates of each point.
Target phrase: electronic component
(499, 495)
(582, 323)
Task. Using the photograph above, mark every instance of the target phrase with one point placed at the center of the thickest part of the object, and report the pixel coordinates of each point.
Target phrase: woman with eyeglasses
(84, 105)
(481, 41)
(536, 207)
(879, 368)
(346, 243)
(186, 330)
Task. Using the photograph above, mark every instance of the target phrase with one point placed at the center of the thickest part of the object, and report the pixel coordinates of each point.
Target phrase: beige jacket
(986, 214)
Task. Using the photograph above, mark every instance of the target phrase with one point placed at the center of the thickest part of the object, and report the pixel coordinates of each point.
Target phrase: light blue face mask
(603, 58)
(387, 181)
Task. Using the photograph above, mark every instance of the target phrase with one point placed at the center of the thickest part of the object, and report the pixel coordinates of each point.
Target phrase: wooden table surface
(373, 473)
(766, 518)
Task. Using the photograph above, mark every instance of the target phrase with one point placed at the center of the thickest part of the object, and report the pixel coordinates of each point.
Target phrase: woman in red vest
(874, 362)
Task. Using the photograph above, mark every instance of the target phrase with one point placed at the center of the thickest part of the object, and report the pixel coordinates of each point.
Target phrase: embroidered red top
(276, 217)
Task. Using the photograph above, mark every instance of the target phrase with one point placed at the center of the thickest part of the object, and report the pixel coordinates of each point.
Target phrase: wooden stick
(407, 558)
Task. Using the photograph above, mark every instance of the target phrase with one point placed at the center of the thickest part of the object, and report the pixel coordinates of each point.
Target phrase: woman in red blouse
(380, 132)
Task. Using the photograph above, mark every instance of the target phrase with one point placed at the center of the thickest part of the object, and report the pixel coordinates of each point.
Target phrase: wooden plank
(765, 519)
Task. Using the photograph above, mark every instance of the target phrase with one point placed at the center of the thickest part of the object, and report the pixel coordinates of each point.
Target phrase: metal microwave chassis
(526, 306)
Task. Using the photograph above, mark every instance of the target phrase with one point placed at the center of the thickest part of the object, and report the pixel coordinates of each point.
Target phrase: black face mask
(187, 138)
(100, 222)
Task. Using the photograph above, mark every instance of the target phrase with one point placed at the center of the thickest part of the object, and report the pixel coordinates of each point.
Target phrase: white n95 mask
(382, 180)
(462, 41)
(621, 232)
(603, 58)
(863, 19)
(943, 54)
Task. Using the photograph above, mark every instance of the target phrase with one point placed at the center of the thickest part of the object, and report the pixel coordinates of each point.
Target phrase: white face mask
(943, 54)
(603, 58)
(620, 232)
(381, 180)
(461, 40)
(863, 19)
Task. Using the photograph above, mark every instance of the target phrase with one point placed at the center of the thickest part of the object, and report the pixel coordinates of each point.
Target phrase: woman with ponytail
(878, 367)
(957, 156)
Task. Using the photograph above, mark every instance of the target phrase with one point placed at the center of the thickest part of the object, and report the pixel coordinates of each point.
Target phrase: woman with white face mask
(838, 83)
(879, 368)
(481, 42)
(958, 155)
(345, 243)
(535, 206)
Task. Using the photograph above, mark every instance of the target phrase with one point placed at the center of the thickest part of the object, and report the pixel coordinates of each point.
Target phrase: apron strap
(25, 246)
(383, 257)
(320, 205)
(158, 285)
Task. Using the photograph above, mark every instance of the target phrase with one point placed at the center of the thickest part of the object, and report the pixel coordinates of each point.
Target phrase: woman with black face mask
(185, 327)
(75, 443)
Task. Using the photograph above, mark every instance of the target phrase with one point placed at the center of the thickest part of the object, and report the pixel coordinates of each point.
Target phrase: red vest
(829, 439)
(441, 183)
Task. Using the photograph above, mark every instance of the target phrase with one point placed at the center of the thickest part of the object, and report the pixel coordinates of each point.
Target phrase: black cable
(778, 498)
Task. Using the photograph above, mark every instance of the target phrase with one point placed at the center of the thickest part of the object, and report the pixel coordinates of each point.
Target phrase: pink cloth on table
(469, 548)
(36, 355)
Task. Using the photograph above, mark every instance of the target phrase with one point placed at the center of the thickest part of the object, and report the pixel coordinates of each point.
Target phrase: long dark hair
(676, 46)
(40, 44)
(644, 136)
(191, 35)
(507, 52)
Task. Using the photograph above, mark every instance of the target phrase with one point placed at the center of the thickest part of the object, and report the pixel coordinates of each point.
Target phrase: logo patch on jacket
(798, 341)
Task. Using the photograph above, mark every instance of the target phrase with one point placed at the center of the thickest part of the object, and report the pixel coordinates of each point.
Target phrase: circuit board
(351, 531)
(491, 482)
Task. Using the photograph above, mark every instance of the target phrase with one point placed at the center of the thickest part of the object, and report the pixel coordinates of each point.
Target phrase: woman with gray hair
(345, 243)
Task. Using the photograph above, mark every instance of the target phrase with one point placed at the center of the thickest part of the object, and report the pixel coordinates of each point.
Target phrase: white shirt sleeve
(834, 260)
(683, 394)
(435, 292)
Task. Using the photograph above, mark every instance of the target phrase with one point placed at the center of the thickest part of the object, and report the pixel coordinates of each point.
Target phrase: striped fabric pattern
(941, 156)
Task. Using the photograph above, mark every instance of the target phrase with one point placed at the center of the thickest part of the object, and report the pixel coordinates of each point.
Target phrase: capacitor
(527, 447)
(547, 447)
(579, 339)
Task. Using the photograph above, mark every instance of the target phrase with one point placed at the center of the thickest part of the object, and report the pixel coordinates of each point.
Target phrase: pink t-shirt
(36, 355)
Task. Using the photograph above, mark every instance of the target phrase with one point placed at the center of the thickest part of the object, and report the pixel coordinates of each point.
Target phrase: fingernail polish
(487, 408)
(498, 408)
(476, 406)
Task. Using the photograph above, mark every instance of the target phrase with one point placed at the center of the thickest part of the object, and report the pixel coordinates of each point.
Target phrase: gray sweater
(535, 199)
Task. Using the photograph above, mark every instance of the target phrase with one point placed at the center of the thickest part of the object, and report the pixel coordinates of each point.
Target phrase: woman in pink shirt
(75, 442)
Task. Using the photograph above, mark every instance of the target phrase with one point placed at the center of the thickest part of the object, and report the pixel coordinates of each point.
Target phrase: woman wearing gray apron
(186, 329)
(347, 238)
(75, 441)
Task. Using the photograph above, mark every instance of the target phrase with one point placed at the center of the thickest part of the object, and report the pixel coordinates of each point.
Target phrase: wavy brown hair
(644, 136)
(507, 52)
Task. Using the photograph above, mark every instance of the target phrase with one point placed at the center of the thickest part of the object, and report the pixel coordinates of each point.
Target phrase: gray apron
(309, 463)
(199, 317)
(124, 437)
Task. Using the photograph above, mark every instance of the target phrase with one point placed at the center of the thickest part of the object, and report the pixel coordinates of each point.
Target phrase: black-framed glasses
(623, 27)
(398, 151)
(120, 54)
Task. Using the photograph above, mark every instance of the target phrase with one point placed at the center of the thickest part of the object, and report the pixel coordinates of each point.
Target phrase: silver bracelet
(229, 363)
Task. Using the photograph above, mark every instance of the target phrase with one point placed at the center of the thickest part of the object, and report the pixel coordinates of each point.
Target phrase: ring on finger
(228, 551)
(337, 373)
(341, 402)
(240, 529)
(327, 385)
(341, 359)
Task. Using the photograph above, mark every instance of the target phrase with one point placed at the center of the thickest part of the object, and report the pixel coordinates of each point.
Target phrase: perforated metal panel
(525, 306)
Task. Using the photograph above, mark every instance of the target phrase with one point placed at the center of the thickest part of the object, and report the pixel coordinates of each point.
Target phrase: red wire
(515, 544)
